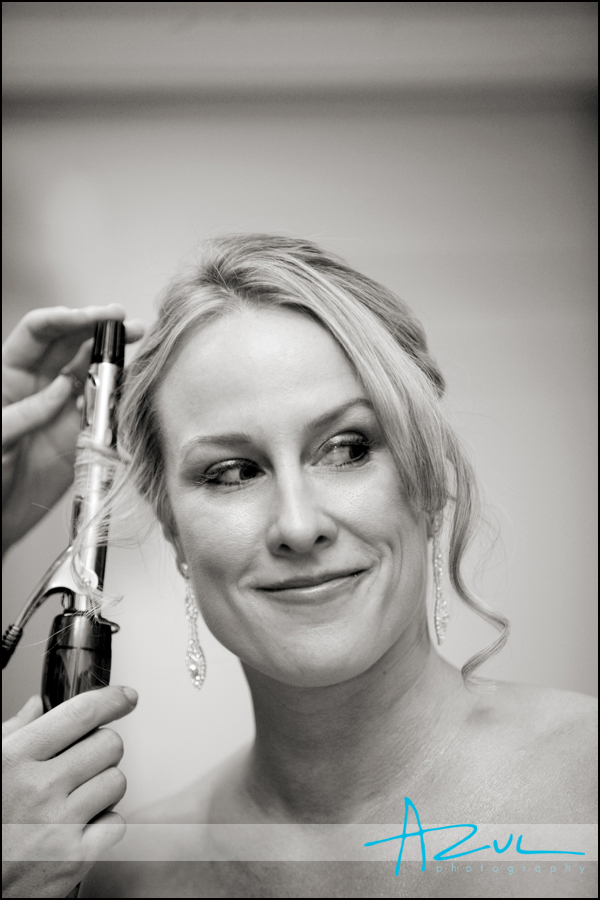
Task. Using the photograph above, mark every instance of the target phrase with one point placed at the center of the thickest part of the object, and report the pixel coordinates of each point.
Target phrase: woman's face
(306, 559)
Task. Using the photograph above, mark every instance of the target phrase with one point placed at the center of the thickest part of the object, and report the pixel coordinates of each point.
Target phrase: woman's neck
(337, 753)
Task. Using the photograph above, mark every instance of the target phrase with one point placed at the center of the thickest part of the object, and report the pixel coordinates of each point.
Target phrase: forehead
(251, 369)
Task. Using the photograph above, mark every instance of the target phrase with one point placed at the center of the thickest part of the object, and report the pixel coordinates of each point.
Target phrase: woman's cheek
(220, 542)
(374, 505)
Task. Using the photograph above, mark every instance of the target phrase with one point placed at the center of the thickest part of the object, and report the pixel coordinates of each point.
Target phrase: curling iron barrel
(96, 452)
(78, 654)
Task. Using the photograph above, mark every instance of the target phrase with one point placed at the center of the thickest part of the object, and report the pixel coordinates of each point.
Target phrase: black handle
(78, 657)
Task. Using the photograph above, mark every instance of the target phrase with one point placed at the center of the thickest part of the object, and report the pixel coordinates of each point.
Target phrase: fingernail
(131, 695)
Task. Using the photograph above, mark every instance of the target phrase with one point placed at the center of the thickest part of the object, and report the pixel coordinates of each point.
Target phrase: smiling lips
(306, 582)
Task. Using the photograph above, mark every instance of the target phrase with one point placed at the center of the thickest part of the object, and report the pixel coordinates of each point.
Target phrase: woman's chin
(302, 672)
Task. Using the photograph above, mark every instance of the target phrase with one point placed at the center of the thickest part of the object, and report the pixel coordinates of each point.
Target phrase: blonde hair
(380, 336)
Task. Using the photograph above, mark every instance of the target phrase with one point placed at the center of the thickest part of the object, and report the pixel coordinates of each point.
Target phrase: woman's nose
(299, 524)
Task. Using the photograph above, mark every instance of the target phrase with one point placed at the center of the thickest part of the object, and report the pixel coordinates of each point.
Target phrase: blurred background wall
(445, 149)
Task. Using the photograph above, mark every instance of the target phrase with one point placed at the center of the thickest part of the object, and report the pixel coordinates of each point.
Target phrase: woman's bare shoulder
(131, 878)
(555, 740)
(112, 879)
(192, 805)
(187, 807)
(119, 878)
(548, 710)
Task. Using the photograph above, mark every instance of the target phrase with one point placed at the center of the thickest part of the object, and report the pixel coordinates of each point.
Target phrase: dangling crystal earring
(194, 658)
(440, 612)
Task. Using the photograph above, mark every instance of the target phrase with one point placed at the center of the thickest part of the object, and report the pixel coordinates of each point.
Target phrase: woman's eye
(341, 451)
(346, 452)
(234, 472)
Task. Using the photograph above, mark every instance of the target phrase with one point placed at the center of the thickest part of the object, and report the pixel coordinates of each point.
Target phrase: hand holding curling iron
(59, 772)
(60, 779)
(40, 419)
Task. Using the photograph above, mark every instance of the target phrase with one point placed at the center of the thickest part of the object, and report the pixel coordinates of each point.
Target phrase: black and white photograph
(299, 449)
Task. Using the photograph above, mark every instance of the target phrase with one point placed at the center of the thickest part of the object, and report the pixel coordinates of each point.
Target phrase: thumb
(31, 413)
(32, 710)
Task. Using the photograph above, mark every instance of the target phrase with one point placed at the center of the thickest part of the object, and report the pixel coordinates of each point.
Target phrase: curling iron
(78, 653)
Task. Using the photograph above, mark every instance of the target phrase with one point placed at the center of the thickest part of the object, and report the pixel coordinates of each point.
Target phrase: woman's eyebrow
(336, 413)
(242, 437)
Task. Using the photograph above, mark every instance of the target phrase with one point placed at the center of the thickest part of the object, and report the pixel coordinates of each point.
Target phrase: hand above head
(40, 418)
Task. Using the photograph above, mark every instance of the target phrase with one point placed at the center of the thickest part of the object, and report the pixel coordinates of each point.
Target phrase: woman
(283, 420)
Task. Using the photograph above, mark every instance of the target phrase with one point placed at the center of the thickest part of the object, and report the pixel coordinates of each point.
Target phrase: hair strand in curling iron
(78, 654)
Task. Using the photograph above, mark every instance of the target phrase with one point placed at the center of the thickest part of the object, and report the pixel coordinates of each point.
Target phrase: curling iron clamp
(78, 653)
